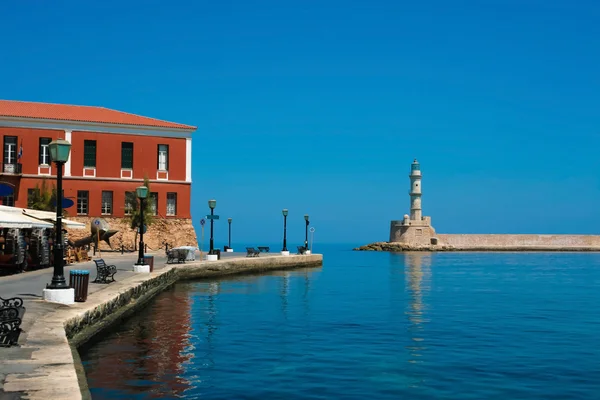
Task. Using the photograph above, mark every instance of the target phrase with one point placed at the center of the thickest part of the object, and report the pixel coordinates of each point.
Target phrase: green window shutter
(127, 155)
(89, 153)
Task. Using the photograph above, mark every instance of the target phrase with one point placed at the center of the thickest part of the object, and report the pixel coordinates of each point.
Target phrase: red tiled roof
(65, 112)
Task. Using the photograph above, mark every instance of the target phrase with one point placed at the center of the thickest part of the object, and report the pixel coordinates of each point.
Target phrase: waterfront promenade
(46, 364)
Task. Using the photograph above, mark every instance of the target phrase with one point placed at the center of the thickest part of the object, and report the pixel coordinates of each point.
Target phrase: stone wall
(509, 240)
(172, 231)
(418, 233)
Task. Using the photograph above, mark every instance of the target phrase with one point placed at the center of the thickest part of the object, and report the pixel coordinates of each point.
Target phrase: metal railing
(12, 168)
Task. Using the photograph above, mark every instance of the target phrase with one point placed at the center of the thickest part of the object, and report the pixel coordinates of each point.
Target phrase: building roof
(66, 112)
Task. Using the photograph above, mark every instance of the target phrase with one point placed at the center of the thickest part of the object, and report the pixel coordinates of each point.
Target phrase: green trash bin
(149, 260)
(79, 280)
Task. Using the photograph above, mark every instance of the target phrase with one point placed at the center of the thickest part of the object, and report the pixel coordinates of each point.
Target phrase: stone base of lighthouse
(417, 233)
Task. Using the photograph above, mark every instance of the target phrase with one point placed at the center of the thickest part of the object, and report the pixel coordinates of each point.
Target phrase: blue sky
(320, 106)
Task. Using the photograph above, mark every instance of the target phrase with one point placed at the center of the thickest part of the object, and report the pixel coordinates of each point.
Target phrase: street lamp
(306, 232)
(59, 154)
(212, 204)
(142, 193)
(229, 245)
(285, 214)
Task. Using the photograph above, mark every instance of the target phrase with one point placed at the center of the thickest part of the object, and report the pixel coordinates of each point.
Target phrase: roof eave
(56, 124)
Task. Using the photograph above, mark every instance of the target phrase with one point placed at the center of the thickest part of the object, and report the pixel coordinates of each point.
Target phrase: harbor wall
(466, 241)
(47, 364)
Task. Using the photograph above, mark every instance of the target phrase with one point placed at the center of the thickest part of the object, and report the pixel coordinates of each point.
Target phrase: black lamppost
(229, 220)
(306, 232)
(212, 204)
(285, 214)
(59, 154)
(142, 193)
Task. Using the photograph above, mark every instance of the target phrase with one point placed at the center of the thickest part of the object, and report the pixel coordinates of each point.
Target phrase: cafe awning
(51, 217)
(43, 219)
(14, 218)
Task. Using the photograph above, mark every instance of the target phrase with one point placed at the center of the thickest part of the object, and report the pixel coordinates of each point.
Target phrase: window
(154, 203)
(171, 204)
(8, 200)
(163, 157)
(83, 197)
(127, 155)
(107, 202)
(10, 150)
(30, 197)
(44, 151)
(89, 153)
(130, 199)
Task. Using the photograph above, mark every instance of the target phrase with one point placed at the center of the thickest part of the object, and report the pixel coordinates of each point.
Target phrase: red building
(111, 153)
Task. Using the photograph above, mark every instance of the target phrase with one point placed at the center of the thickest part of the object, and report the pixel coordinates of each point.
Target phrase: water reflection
(283, 293)
(418, 274)
(146, 355)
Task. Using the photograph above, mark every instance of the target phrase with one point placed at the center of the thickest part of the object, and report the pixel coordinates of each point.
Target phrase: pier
(46, 364)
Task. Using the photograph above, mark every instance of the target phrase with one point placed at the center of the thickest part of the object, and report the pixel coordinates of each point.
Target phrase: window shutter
(167, 148)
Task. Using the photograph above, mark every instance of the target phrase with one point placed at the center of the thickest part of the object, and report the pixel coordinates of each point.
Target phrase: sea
(367, 325)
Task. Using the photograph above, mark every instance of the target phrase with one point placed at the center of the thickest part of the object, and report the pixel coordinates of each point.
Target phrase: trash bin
(79, 280)
(149, 260)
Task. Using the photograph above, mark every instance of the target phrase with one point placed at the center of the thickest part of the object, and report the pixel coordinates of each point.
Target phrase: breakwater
(47, 366)
(495, 242)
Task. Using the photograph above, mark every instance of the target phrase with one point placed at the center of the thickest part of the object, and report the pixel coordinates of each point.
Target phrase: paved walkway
(29, 285)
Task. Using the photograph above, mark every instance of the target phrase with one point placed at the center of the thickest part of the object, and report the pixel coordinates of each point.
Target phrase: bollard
(122, 249)
(145, 248)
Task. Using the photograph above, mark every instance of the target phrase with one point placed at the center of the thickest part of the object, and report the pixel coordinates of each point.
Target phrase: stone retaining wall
(172, 231)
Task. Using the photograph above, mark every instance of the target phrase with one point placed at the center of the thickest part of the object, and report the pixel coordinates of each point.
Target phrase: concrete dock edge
(47, 365)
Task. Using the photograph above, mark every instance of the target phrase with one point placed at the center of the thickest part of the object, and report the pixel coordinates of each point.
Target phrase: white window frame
(107, 208)
(87, 203)
(171, 204)
(45, 154)
(162, 158)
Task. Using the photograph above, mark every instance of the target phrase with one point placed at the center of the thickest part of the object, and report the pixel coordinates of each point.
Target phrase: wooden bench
(178, 255)
(263, 249)
(252, 252)
(11, 316)
(301, 250)
(104, 272)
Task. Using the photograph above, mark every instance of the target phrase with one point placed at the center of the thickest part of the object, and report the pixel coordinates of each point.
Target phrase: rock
(172, 231)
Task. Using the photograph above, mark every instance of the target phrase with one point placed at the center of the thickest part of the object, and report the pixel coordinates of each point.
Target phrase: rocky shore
(398, 247)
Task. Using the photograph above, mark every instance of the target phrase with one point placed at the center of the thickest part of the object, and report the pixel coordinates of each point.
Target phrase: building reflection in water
(146, 355)
(417, 267)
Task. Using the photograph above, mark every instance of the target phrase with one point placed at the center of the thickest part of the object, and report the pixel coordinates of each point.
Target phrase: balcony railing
(12, 168)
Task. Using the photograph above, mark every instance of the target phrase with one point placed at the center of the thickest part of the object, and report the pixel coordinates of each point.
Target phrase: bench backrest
(100, 263)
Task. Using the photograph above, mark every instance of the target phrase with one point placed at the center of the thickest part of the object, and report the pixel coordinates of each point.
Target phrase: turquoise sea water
(367, 325)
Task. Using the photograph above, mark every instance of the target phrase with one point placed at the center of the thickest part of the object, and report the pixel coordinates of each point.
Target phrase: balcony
(11, 169)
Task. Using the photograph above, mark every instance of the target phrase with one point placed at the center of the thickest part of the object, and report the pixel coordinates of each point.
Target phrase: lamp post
(285, 214)
(229, 221)
(59, 154)
(142, 193)
(306, 232)
(212, 204)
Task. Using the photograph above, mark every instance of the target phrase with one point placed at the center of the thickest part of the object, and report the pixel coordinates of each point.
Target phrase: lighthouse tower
(414, 229)
(415, 191)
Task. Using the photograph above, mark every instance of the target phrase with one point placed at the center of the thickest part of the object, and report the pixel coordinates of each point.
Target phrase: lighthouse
(415, 191)
(414, 229)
